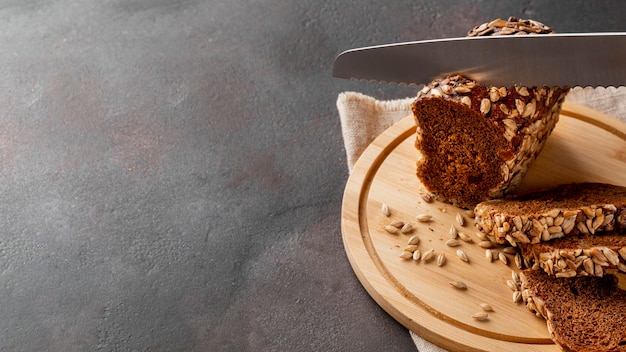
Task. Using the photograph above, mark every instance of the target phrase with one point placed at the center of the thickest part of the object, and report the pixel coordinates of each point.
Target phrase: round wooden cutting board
(585, 146)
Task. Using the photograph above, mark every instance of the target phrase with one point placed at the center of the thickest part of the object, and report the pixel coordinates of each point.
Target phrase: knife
(572, 59)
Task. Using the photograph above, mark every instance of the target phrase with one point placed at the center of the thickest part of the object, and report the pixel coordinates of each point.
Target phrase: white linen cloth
(363, 118)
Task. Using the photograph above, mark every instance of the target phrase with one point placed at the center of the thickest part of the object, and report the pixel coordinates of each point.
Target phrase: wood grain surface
(585, 146)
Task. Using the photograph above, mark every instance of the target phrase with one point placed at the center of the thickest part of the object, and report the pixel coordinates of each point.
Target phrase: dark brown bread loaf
(476, 143)
(566, 210)
(584, 314)
(579, 255)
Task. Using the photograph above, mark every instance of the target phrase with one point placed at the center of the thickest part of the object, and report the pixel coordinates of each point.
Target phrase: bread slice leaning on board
(585, 314)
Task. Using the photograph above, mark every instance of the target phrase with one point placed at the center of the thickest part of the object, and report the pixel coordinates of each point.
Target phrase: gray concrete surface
(171, 172)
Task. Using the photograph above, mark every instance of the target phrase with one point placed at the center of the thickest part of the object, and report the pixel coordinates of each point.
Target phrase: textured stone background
(171, 172)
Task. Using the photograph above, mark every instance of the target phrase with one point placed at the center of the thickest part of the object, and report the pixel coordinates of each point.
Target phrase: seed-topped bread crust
(566, 210)
(512, 26)
(579, 255)
(584, 314)
(476, 143)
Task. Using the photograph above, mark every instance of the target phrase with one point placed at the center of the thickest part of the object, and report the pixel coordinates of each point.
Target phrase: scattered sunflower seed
(428, 255)
(406, 228)
(462, 255)
(482, 316)
(424, 217)
(459, 285)
(391, 229)
(453, 232)
(515, 276)
(414, 240)
(486, 307)
(385, 209)
(489, 254)
(417, 255)
(503, 258)
(517, 296)
(406, 255)
(452, 243)
(460, 219)
(512, 285)
(427, 197)
(465, 237)
(441, 259)
(485, 244)
(411, 248)
(397, 223)
(482, 236)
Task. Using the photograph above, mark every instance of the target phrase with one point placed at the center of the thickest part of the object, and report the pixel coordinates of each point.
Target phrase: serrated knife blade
(571, 59)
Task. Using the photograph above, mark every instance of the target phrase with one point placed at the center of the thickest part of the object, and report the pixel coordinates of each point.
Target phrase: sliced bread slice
(579, 255)
(566, 210)
(582, 313)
